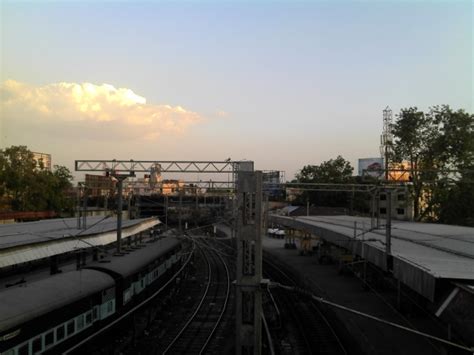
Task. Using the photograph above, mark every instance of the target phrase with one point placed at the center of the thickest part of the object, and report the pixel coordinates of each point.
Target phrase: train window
(80, 322)
(88, 317)
(60, 333)
(49, 338)
(109, 306)
(24, 349)
(71, 327)
(37, 345)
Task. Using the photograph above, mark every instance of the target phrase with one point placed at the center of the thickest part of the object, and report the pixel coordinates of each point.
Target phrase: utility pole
(180, 214)
(84, 207)
(78, 206)
(249, 263)
(120, 178)
(388, 231)
(166, 211)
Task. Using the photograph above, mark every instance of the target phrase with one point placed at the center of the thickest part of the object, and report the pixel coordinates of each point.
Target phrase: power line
(369, 316)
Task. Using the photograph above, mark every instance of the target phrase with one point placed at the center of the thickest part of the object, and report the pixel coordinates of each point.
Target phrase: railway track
(311, 332)
(195, 336)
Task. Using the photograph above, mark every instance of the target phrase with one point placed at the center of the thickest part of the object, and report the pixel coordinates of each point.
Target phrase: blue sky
(280, 83)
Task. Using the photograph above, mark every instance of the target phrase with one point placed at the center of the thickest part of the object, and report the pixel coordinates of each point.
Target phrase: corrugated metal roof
(34, 299)
(23, 242)
(438, 251)
(128, 265)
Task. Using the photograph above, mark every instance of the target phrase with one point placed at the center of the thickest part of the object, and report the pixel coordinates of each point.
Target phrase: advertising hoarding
(371, 167)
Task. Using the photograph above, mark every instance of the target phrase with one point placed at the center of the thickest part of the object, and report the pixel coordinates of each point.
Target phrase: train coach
(57, 312)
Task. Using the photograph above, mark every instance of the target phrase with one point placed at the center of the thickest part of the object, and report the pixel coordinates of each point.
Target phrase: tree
(333, 171)
(17, 166)
(415, 142)
(455, 191)
(435, 144)
(30, 187)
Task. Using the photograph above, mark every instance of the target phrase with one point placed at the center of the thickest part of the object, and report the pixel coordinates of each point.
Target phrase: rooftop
(23, 242)
(422, 252)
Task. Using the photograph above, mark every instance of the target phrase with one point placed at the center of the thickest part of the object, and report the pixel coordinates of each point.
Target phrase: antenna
(386, 139)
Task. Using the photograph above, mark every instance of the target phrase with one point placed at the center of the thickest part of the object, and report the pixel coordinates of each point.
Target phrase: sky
(282, 83)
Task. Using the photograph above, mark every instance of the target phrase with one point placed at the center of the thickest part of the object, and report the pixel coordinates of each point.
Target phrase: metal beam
(164, 166)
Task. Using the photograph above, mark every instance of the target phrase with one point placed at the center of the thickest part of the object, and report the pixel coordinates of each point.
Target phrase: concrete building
(401, 205)
(100, 185)
(170, 187)
(42, 159)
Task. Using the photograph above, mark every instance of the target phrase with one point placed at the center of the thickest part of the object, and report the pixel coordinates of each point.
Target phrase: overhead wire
(369, 316)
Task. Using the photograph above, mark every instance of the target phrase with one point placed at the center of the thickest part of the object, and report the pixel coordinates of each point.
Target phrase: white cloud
(71, 107)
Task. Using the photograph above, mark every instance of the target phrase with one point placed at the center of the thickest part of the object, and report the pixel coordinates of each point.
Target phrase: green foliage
(439, 149)
(333, 171)
(31, 188)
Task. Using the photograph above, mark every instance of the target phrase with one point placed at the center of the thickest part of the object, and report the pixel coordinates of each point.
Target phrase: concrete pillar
(249, 263)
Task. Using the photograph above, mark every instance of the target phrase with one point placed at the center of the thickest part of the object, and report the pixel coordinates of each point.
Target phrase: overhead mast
(386, 139)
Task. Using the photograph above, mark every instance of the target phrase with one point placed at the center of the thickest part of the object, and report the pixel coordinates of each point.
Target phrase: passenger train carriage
(48, 314)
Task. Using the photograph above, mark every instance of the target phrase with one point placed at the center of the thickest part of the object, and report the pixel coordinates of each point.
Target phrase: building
(170, 187)
(401, 206)
(43, 161)
(99, 185)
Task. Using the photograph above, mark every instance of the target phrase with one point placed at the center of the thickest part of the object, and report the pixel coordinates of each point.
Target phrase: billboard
(371, 167)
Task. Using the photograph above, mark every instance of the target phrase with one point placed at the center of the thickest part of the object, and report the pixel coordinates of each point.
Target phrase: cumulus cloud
(117, 111)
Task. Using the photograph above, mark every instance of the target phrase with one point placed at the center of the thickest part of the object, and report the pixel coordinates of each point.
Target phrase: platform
(422, 252)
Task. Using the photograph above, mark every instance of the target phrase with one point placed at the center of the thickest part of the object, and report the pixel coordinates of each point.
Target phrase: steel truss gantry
(164, 166)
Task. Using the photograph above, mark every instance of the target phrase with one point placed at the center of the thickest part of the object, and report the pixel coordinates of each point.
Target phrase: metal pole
(372, 215)
(166, 212)
(377, 207)
(364, 258)
(119, 215)
(180, 212)
(78, 207)
(84, 216)
(388, 230)
(129, 206)
(354, 244)
(307, 207)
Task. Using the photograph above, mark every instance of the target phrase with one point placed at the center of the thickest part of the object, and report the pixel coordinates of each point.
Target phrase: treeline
(26, 185)
(437, 150)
